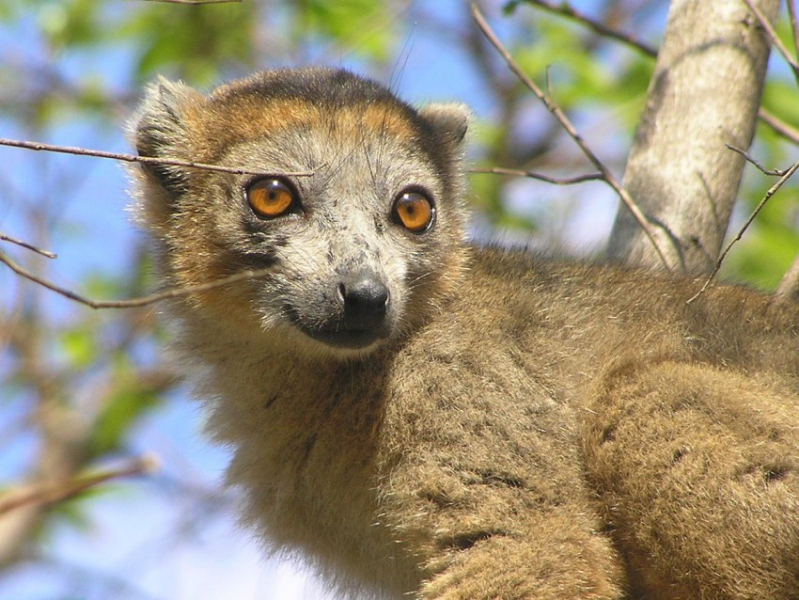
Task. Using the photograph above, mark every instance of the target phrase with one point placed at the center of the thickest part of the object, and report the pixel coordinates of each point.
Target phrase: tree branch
(134, 302)
(771, 191)
(781, 127)
(678, 168)
(607, 175)
(541, 176)
(50, 492)
(794, 24)
(774, 38)
(39, 146)
(27, 246)
(566, 10)
(760, 167)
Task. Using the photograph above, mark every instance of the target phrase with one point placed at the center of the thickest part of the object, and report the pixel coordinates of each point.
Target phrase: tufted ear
(450, 119)
(163, 127)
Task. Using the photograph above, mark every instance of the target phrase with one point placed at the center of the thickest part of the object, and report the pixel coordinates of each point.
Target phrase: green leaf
(80, 346)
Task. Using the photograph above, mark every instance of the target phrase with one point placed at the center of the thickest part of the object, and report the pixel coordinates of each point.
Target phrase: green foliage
(365, 26)
(71, 24)
(79, 345)
(771, 244)
(765, 254)
(129, 402)
(779, 96)
(566, 59)
(192, 42)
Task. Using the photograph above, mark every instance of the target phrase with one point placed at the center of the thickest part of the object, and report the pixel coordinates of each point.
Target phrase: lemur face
(346, 244)
(356, 219)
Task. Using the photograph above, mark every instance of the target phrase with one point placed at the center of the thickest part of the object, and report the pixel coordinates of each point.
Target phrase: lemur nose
(365, 298)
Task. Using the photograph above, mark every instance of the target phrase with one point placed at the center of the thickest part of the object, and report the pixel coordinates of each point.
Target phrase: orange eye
(270, 198)
(414, 211)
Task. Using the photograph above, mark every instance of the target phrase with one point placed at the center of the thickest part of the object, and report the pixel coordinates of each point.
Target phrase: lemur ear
(450, 119)
(162, 129)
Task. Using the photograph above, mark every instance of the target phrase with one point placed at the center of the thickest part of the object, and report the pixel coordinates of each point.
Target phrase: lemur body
(419, 416)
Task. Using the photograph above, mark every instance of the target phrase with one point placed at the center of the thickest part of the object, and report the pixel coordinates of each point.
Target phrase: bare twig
(760, 167)
(781, 127)
(607, 175)
(774, 38)
(794, 24)
(566, 10)
(771, 191)
(38, 146)
(541, 176)
(135, 302)
(27, 246)
(49, 492)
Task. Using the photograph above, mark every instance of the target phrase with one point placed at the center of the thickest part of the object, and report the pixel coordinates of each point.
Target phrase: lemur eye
(414, 211)
(270, 198)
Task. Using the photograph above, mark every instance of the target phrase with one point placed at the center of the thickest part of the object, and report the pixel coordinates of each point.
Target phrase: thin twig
(771, 191)
(27, 246)
(781, 127)
(38, 146)
(135, 302)
(761, 168)
(566, 10)
(50, 492)
(607, 175)
(774, 38)
(794, 24)
(541, 176)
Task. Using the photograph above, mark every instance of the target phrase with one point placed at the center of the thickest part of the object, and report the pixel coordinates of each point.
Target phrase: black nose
(365, 298)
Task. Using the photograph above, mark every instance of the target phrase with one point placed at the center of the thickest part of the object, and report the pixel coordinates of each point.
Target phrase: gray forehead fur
(160, 126)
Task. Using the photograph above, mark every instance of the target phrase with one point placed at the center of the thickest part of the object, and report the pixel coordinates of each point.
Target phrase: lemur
(419, 417)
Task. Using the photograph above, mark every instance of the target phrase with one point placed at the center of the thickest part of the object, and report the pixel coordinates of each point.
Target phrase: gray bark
(705, 93)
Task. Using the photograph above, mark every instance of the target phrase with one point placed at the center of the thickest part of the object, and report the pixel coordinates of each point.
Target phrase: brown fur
(527, 429)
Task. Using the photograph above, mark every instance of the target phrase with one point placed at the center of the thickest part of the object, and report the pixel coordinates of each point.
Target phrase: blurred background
(88, 395)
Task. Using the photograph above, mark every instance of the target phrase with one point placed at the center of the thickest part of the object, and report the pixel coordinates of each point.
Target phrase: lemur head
(357, 218)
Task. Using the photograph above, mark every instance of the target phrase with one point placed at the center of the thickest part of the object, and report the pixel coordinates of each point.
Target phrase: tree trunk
(704, 94)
